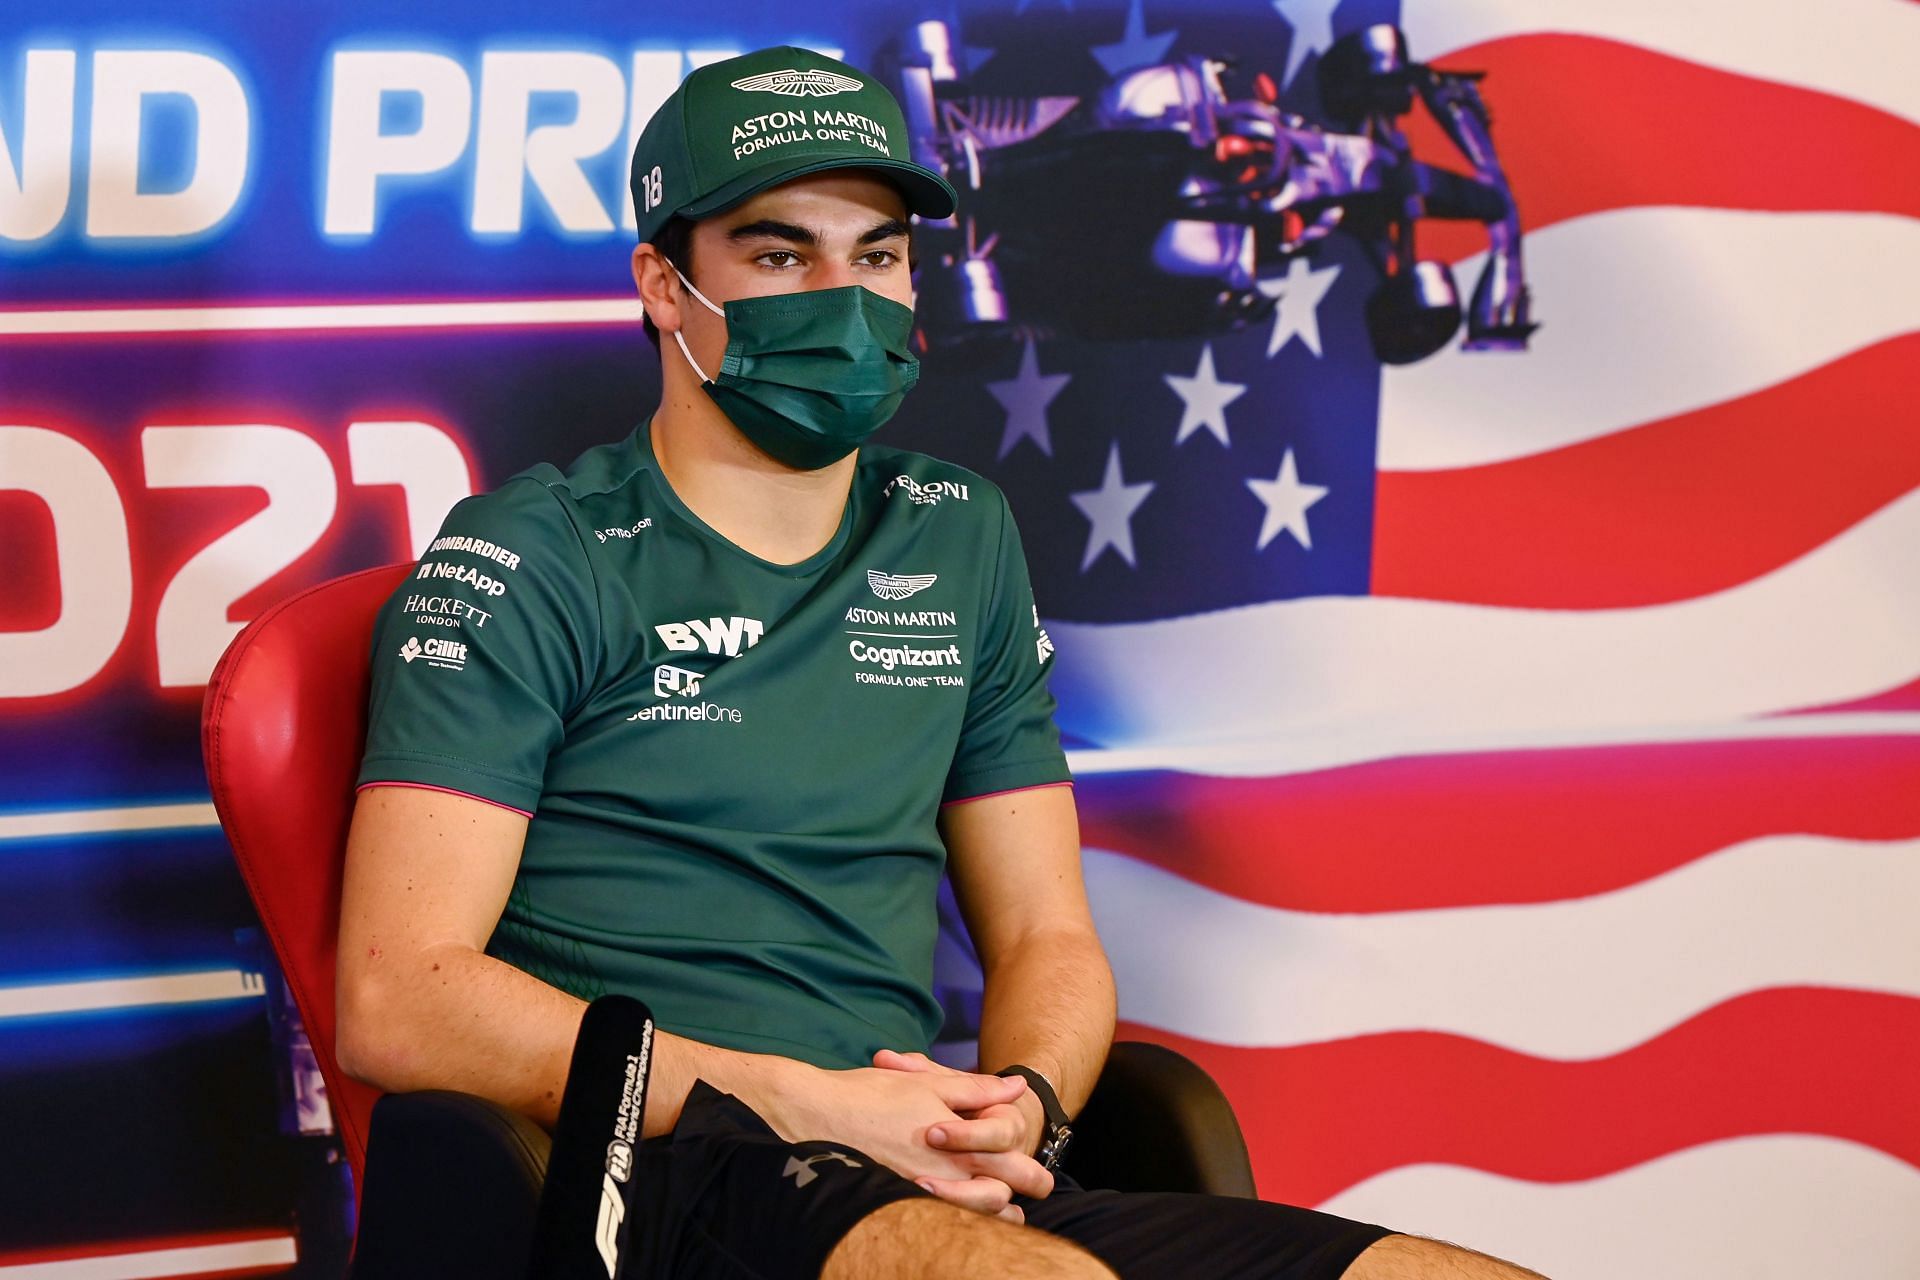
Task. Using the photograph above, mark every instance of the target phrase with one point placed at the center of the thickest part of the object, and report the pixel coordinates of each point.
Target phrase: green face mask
(809, 376)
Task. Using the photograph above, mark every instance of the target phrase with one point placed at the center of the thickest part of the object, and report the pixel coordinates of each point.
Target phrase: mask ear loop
(691, 363)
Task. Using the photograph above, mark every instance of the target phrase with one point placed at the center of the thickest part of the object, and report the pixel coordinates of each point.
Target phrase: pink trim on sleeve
(422, 786)
(988, 795)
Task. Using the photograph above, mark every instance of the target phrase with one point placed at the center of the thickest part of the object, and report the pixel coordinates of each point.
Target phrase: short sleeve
(1009, 739)
(483, 650)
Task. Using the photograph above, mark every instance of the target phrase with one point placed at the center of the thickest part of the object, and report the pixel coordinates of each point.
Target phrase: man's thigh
(724, 1196)
(1151, 1235)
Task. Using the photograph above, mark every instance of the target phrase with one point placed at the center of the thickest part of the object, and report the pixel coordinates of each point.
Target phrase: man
(709, 714)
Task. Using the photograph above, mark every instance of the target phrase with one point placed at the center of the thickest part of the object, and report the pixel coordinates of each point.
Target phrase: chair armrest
(451, 1188)
(1157, 1122)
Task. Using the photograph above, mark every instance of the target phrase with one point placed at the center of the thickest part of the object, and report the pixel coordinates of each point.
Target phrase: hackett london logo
(798, 84)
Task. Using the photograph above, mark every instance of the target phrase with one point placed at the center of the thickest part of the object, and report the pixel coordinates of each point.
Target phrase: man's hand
(889, 1114)
(1011, 1128)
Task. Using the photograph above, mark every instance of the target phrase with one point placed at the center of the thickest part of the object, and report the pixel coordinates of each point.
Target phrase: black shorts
(725, 1196)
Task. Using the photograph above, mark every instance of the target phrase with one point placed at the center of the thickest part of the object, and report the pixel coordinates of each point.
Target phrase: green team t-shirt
(733, 766)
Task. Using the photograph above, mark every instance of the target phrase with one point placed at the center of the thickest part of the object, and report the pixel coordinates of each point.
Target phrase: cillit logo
(669, 680)
(926, 495)
(798, 84)
(890, 586)
(1042, 642)
(438, 653)
(714, 635)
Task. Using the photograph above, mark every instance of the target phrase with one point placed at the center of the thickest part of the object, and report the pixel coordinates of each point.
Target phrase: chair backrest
(282, 729)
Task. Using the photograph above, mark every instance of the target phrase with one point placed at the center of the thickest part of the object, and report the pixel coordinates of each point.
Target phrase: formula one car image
(1170, 202)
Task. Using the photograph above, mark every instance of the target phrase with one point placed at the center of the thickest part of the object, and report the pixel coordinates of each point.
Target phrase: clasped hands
(965, 1137)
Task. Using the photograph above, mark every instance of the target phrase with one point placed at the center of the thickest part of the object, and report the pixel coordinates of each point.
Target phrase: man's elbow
(370, 1031)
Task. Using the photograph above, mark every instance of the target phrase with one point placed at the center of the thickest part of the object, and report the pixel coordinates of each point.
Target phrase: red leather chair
(456, 1178)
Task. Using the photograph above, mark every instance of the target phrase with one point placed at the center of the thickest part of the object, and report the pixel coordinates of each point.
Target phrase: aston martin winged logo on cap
(889, 586)
(716, 142)
(814, 83)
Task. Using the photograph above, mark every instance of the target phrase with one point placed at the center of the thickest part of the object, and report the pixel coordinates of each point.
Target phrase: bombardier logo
(798, 84)
(890, 586)
(438, 653)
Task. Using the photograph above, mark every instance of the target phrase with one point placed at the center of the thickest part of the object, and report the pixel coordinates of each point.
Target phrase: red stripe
(1519, 826)
(148, 1244)
(1584, 124)
(1320, 1118)
(1666, 511)
(1904, 698)
(445, 791)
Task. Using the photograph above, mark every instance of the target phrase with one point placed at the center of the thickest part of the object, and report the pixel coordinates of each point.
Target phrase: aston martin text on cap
(737, 127)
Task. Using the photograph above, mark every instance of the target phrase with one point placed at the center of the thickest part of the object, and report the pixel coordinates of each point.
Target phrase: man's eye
(785, 258)
(880, 258)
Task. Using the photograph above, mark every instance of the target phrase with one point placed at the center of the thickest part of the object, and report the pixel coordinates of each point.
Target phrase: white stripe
(41, 999)
(1762, 1207)
(191, 1260)
(337, 316)
(79, 822)
(1858, 49)
(1651, 312)
(1272, 759)
(1569, 979)
(1331, 680)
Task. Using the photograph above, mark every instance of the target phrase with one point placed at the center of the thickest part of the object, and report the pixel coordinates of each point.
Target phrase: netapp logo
(462, 573)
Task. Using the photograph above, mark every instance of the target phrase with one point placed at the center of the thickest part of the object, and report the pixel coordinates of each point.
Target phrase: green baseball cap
(737, 127)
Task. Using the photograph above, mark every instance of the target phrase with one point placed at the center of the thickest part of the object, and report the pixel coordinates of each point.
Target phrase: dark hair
(675, 243)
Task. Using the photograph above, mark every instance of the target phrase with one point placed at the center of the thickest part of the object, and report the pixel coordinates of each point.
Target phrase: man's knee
(931, 1239)
(1402, 1257)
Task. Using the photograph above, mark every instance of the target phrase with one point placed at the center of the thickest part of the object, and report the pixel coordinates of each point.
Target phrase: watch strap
(1059, 1126)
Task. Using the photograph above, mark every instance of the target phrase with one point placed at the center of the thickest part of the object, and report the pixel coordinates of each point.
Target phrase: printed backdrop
(1500, 770)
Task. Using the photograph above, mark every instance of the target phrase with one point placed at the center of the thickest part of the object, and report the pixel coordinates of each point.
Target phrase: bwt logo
(714, 635)
(474, 125)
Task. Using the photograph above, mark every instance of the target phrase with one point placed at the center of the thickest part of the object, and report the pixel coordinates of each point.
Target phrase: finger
(893, 1060)
(1023, 1174)
(997, 1132)
(1013, 1213)
(980, 1194)
(963, 1092)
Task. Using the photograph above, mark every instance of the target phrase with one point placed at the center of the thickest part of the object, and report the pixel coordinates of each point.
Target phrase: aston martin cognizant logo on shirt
(898, 586)
(798, 84)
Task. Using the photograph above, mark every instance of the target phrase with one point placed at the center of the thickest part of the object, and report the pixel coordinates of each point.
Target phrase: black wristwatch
(1059, 1131)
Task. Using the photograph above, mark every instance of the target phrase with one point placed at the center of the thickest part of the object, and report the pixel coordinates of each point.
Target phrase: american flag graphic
(1500, 772)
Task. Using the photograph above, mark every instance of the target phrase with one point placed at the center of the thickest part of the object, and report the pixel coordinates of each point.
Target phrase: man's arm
(421, 1006)
(1049, 1003)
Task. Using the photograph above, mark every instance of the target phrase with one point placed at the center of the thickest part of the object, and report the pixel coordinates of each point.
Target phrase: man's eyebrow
(886, 231)
(772, 229)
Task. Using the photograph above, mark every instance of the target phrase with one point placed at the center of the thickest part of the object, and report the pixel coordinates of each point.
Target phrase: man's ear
(658, 287)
